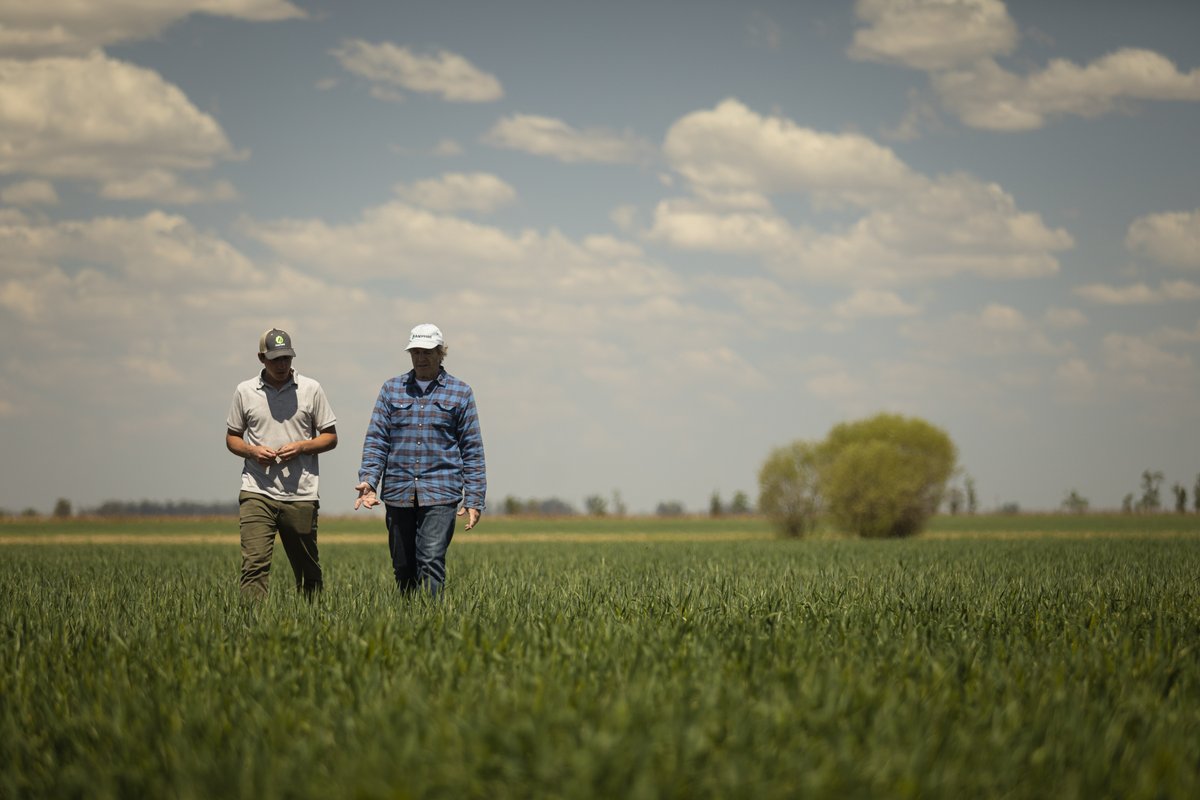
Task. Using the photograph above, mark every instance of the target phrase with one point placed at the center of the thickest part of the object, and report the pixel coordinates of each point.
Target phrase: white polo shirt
(273, 417)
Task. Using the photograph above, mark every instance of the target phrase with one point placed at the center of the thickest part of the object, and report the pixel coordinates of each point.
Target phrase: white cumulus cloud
(874, 303)
(447, 148)
(996, 330)
(156, 249)
(1138, 356)
(29, 193)
(733, 149)
(932, 34)
(458, 191)
(553, 138)
(166, 187)
(985, 95)
(33, 28)
(137, 123)
(427, 250)
(1064, 318)
(902, 226)
(1075, 377)
(959, 44)
(1171, 238)
(442, 73)
(688, 225)
(1139, 294)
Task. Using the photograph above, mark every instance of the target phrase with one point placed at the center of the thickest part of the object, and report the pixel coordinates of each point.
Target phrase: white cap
(426, 337)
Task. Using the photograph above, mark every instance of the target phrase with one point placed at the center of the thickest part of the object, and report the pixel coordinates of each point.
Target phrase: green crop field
(691, 658)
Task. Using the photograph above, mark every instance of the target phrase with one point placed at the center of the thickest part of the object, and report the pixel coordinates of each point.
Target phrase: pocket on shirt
(402, 413)
(444, 415)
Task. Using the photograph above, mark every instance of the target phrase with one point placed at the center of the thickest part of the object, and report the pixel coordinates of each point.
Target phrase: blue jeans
(418, 539)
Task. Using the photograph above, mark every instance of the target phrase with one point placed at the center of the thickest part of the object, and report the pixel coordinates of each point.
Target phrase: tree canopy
(879, 477)
(788, 488)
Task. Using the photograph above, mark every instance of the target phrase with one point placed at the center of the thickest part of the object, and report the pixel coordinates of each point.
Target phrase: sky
(661, 238)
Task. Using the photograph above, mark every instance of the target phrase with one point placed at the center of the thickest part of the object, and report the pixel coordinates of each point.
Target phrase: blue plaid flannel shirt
(427, 448)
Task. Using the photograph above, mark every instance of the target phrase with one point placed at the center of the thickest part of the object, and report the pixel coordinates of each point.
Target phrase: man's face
(278, 369)
(427, 363)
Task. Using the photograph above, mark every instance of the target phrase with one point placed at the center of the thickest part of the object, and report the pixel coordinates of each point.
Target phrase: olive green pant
(261, 517)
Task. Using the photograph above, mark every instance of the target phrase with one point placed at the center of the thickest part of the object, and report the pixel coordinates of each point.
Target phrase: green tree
(1196, 495)
(954, 500)
(740, 503)
(1127, 504)
(596, 505)
(551, 507)
(1150, 495)
(885, 476)
(669, 508)
(1075, 503)
(788, 488)
(1180, 498)
(618, 504)
(972, 498)
(715, 509)
(62, 508)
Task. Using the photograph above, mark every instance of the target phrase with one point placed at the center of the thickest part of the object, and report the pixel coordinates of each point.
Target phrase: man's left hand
(289, 451)
(472, 516)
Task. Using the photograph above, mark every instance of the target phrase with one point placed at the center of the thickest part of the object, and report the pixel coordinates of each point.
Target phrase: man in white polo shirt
(279, 421)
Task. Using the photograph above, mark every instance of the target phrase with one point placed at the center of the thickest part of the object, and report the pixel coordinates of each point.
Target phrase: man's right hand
(366, 496)
(265, 456)
(236, 443)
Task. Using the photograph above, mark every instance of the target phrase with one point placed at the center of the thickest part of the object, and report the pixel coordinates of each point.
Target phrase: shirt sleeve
(322, 413)
(376, 442)
(236, 420)
(470, 445)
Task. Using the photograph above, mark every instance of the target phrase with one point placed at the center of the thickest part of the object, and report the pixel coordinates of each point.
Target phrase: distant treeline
(549, 507)
(155, 508)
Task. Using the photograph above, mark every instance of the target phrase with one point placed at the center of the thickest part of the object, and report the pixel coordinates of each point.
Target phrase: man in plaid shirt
(424, 443)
